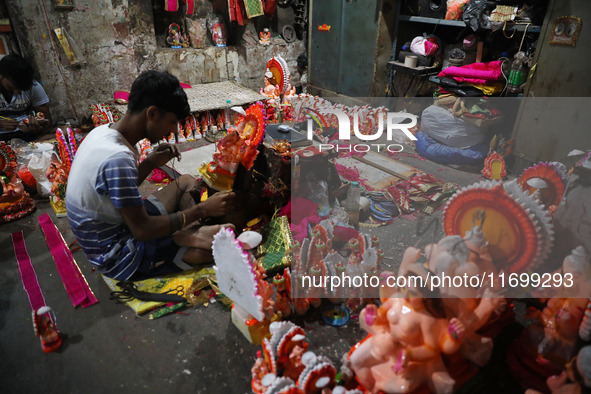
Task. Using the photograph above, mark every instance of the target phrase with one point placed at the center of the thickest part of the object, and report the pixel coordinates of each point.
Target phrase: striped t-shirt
(103, 179)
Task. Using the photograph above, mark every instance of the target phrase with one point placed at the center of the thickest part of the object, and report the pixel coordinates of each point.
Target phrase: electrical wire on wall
(504, 59)
(59, 63)
(527, 25)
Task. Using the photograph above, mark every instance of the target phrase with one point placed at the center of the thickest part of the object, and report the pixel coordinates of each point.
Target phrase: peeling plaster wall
(245, 64)
(257, 57)
(117, 41)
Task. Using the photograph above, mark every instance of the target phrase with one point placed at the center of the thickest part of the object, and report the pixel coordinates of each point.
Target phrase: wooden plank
(479, 51)
(373, 177)
(388, 165)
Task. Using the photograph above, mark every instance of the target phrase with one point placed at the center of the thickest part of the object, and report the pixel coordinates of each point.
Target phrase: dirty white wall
(116, 38)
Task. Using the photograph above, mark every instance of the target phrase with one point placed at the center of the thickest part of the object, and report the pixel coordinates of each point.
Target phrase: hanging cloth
(74, 282)
(171, 5)
(235, 10)
(232, 10)
(190, 6)
(269, 7)
(239, 12)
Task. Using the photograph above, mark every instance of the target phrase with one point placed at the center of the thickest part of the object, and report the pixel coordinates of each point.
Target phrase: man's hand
(8, 124)
(33, 124)
(163, 154)
(219, 204)
(159, 157)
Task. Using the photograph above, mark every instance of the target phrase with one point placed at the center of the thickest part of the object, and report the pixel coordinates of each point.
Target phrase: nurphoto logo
(393, 122)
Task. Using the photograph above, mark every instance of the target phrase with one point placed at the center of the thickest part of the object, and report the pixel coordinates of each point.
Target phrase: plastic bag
(425, 46)
(319, 194)
(439, 153)
(197, 32)
(476, 14)
(455, 8)
(440, 124)
(23, 149)
(217, 30)
(38, 165)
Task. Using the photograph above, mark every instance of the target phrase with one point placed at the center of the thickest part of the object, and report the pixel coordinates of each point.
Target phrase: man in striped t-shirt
(123, 235)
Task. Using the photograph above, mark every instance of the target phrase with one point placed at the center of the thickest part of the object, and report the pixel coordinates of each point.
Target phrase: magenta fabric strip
(27, 272)
(171, 5)
(190, 6)
(74, 281)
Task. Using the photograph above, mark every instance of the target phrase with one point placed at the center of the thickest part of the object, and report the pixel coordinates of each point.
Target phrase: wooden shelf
(432, 21)
(419, 70)
(444, 22)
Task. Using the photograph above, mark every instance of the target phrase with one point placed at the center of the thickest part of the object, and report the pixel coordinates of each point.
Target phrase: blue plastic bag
(443, 154)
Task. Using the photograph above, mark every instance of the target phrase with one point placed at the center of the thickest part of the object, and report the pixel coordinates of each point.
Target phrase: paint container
(410, 61)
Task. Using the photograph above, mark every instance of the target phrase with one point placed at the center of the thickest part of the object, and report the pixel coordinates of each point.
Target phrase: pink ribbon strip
(74, 282)
(171, 5)
(190, 5)
(27, 272)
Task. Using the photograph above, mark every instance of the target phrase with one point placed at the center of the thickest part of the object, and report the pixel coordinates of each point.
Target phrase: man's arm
(145, 227)
(8, 124)
(161, 155)
(118, 178)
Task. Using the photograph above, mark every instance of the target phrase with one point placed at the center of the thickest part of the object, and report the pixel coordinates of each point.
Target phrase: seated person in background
(302, 63)
(124, 236)
(21, 99)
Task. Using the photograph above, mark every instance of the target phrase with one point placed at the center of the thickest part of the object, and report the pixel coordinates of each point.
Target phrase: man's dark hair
(17, 70)
(302, 61)
(160, 89)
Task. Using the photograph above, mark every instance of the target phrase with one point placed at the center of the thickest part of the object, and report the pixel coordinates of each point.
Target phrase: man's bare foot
(200, 238)
(194, 256)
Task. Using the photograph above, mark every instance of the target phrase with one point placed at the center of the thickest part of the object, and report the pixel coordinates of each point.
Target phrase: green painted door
(342, 58)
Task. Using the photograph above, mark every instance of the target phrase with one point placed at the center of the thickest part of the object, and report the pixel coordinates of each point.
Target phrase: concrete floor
(108, 349)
